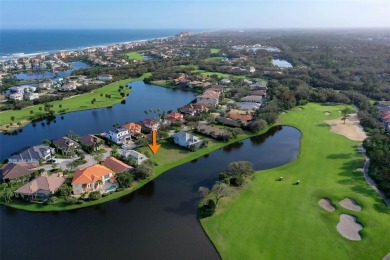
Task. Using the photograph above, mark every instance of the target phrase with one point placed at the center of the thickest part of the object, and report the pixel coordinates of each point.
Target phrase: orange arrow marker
(154, 147)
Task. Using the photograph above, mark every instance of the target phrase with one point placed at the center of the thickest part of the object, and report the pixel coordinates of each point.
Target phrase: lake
(281, 63)
(158, 221)
(142, 98)
(50, 74)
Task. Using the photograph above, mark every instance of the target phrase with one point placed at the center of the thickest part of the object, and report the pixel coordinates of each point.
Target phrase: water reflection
(159, 221)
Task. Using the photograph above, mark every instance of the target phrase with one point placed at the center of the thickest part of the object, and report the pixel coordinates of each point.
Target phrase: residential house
(116, 165)
(209, 97)
(119, 135)
(16, 97)
(12, 171)
(253, 99)
(65, 145)
(187, 140)
(151, 124)
(240, 116)
(41, 188)
(228, 122)
(132, 128)
(104, 77)
(248, 105)
(262, 85)
(251, 69)
(31, 96)
(175, 117)
(71, 85)
(138, 157)
(224, 81)
(212, 131)
(90, 142)
(33, 154)
(93, 178)
(192, 109)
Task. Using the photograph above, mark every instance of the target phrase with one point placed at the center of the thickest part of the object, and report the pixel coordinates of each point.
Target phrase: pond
(50, 74)
(142, 98)
(158, 221)
(281, 63)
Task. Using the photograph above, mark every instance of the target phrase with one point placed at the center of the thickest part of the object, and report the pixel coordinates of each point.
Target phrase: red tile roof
(116, 165)
(90, 174)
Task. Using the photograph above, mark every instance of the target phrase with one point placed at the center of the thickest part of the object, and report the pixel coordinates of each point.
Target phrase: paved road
(368, 178)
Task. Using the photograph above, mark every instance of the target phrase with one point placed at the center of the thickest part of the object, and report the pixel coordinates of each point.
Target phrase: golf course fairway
(270, 219)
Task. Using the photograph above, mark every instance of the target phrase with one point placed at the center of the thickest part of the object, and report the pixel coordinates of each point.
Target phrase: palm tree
(7, 194)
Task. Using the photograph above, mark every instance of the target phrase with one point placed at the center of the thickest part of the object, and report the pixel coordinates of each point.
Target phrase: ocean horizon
(26, 42)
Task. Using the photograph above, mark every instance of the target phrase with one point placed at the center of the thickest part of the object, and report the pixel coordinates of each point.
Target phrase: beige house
(94, 178)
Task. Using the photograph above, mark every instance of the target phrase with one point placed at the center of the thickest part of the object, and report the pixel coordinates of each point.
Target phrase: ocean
(15, 43)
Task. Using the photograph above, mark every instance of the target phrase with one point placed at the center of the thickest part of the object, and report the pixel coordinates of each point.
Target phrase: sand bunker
(351, 129)
(326, 205)
(387, 257)
(327, 113)
(349, 228)
(350, 204)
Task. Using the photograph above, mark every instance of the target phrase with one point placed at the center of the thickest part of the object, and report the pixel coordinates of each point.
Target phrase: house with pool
(94, 178)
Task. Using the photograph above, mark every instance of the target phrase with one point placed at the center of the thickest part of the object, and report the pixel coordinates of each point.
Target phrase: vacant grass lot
(269, 219)
(134, 56)
(76, 103)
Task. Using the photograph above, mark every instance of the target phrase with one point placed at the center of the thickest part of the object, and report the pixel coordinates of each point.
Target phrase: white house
(104, 77)
(185, 139)
(31, 96)
(139, 157)
(16, 97)
(119, 135)
(151, 124)
(251, 69)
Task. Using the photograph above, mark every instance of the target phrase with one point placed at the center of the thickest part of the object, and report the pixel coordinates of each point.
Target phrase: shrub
(207, 209)
(95, 195)
(236, 181)
(70, 200)
(80, 201)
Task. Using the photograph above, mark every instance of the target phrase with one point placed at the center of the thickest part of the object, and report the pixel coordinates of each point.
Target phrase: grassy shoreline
(72, 104)
(280, 220)
(160, 169)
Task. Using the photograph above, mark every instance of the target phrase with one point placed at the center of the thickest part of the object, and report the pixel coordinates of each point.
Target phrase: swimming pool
(111, 188)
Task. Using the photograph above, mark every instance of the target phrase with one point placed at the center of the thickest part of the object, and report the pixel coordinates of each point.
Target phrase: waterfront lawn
(134, 56)
(170, 152)
(269, 219)
(75, 103)
(214, 50)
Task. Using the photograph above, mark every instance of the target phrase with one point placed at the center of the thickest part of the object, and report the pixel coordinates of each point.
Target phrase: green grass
(163, 83)
(218, 74)
(214, 50)
(134, 56)
(278, 220)
(76, 103)
(214, 59)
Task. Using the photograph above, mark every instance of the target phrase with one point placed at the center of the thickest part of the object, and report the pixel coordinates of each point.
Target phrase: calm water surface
(49, 74)
(142, 98)
(156, 222)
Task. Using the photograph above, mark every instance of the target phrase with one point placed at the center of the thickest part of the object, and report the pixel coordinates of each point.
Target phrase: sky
(200, 14)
